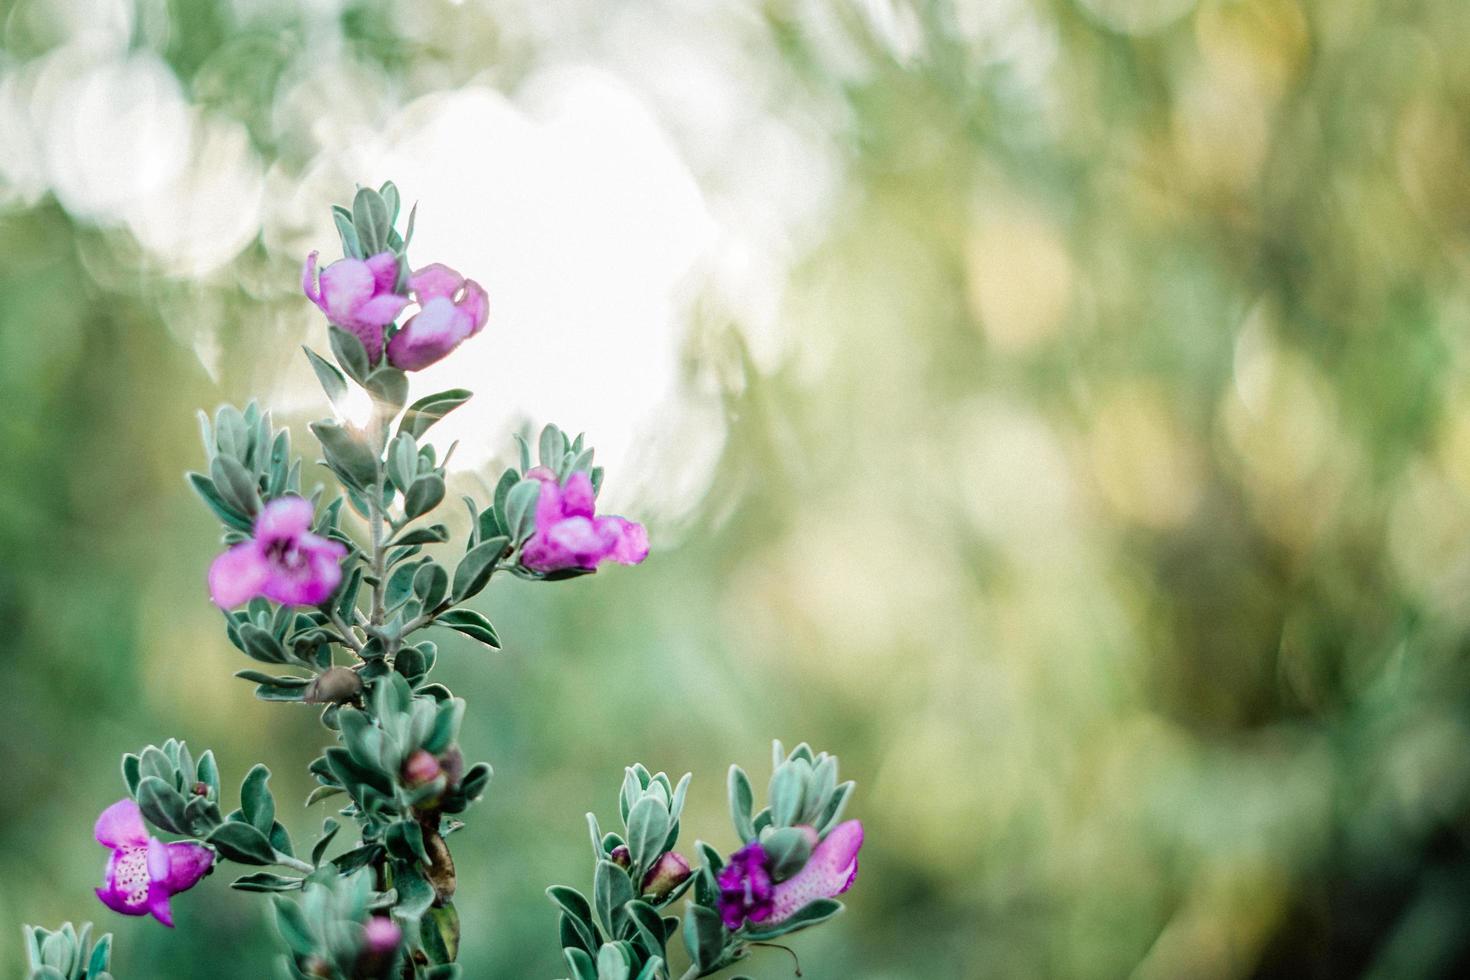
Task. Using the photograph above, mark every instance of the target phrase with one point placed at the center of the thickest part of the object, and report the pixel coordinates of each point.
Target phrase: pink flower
(443, 322)
(569, 534)
(747, 893)
(829, 872)
(143, 871)
(284, 562)
(357, 295)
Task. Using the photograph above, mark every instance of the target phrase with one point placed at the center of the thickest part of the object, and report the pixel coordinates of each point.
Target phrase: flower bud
(668, 873)
(380, 939)
(337, 685)
(382, 935)
(420, 768)
(621, 856)
(200, 789)
(453, 762)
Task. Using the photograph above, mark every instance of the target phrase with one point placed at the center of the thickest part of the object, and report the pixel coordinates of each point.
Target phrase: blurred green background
(1058, 408)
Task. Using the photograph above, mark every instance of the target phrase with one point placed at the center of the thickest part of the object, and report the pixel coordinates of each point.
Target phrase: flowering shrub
(330, 591)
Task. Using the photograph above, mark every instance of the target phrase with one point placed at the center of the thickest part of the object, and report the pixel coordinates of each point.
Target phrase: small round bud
(336, 685)
(200, 789)
(420, 768)
(621, 856)
(668, 873)
(382, 935)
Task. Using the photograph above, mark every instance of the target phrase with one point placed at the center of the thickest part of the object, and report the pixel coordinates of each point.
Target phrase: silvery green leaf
(348, 454)
(423, 495)
(520, 509)
(471, 624)
(430, 409)
(577, 911)
(676, 806)
(476, 567)
(350, 353)
(331, 379)
(741, 800)
(389, 388)
(787, 850)
(611, 889)
(204, 487)
(266, 881)
(351, 245)
(403, 460)
(430, 584)
(612, 964)
(261, 644)
(256, 801)
(433, 534)
(370, 218)
(292, 924)
(132, 772)
(163, 805)
(786, 794)
(818, 911)
(581, 963)
(447, 720)
(835, 806)
(235, 484)
(551, 447)
(704, 936)
(242, 843)
(648, 825)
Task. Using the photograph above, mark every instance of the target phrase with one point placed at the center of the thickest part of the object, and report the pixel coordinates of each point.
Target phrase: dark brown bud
(621, 856)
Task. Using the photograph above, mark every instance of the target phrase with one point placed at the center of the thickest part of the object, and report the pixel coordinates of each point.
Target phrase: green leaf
(809, 915)
(405, 840)
(331, 379)
(433, 534)
(204, 487)
(471, 624)
(207, 772)
(350, 353)
(581, 963)
(476, 567)
(741, 800)
(430, 584)
(291, 922)
(256, 801)
(347, 454)
(351, 245)
(578, 912)
(787, 850)
(787, 792)
(235, 484)
(552, 445)
(389, 388)
(648, 825)
(424, 494)
(261, 644)
(611, 889)
(430, 409)
(162, 805)
(447, 719)
(520, 509)
(132, 773)
(266, 881)
(611, 963)
(704, 936)
(403, 461)
(242, 843)
(370, 218)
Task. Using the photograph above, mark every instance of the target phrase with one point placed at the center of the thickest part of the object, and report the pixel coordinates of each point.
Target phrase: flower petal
(384, 267)
(475, 304)
(284, 517)
(308, 281)
(158, 906)
(121, 825)
(829, 872)
(345, 285)
(631, 537)
(237, 575)
(118, 902)
(428, 335)
(188, 861)
(577, 498)
(157, 860)
(434, 280)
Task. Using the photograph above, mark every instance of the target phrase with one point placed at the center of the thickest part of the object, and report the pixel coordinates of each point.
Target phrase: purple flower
(442, 321)
(829, 872)
(748, 895)
(144, 871)
(570, 535)
(745, 887)
(357, 295)
(381, 935)
(284, 562)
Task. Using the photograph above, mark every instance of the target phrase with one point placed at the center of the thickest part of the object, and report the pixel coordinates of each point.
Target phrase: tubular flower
(442, 322)
(284, 562)
(747, 893)
(143, 871)
(569, 534)
(358, 296)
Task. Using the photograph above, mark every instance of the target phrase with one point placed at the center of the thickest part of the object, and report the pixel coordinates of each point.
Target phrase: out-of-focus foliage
(1079, 440)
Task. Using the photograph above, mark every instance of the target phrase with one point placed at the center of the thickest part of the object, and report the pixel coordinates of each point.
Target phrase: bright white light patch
(581, 221)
